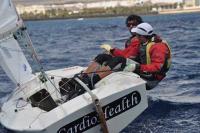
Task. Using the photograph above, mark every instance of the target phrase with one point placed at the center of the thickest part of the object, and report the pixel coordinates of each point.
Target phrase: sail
(12, 59)
(9, 21)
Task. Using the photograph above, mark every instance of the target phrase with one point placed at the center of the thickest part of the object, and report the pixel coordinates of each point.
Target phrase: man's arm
(130, 52)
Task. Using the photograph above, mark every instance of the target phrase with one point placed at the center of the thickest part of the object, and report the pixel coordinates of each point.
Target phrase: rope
(113, 70)
(101, 115)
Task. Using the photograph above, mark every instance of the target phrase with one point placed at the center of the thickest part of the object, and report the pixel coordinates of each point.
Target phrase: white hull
(122, 96)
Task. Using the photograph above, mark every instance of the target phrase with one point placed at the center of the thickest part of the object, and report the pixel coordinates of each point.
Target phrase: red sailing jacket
(159, 53)
(130, 52)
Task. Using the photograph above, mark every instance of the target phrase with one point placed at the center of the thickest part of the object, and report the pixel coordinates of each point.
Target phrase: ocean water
(174, 105)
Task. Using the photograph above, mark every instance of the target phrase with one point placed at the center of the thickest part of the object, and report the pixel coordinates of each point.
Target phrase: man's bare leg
(104, 71)
(94, 66)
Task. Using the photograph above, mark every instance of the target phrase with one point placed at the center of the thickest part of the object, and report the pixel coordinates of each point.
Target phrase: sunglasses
(131, 24)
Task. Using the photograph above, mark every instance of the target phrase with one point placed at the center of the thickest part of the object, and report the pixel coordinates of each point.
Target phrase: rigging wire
(30, 44)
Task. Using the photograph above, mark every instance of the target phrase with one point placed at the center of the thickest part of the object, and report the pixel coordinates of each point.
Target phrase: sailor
(152, 58)
(130, 50)
(132, 21)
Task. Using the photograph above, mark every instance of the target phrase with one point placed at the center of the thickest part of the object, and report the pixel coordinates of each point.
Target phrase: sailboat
(38, 103)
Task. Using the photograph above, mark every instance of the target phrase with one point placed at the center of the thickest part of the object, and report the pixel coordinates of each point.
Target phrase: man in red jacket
(132, 21)
(152, 56)
(130, 50)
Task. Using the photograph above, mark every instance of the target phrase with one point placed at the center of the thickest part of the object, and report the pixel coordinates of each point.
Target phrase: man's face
(131, 24)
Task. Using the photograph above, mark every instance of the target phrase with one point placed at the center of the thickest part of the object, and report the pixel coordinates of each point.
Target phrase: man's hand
(107, 47)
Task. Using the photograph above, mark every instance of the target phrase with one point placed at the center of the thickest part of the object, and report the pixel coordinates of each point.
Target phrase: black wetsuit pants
(115, 63)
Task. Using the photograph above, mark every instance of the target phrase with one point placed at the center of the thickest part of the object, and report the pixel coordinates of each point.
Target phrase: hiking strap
(98, 107)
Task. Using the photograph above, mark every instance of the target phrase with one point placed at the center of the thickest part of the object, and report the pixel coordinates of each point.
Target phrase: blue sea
(174, 105)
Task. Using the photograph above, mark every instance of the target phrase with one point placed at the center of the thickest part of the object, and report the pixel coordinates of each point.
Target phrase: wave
(178, 99)
(175, 96)
(164, 116)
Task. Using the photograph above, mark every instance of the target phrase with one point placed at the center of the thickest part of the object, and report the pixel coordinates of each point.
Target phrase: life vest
(167, 62)
(144, 57)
